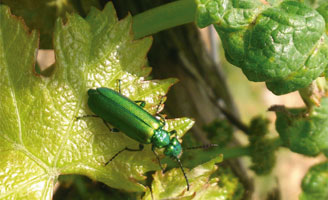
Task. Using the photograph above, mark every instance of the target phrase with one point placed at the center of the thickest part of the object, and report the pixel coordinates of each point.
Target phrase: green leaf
(40, 136)
(314, 3)
(42, 14)
(315, 183)
(283, 44)
(229, 14)
(258, 128)
(262, 150)
(323, 10)
(230, 183)
(304, 133)
(173, 185)
(219, 131)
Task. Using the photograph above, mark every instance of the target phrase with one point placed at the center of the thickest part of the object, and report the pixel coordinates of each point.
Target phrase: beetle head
(174, 149)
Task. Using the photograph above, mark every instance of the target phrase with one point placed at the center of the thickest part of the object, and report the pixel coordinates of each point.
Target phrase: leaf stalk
(163, 17)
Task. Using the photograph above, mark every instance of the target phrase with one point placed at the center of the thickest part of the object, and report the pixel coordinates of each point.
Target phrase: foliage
(219, 131)
(302, 132)
(91, 52)
(322, 9)
(261, 149)
(203, 187)
(42, 15)
(315, 183)
(281, 43)
(230, 183)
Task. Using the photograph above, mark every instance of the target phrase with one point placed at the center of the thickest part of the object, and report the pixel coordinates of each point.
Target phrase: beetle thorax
(160, 138)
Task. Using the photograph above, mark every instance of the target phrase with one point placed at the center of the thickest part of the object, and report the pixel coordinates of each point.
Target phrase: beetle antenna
(202, 146)
(184, 174)
(159, 160)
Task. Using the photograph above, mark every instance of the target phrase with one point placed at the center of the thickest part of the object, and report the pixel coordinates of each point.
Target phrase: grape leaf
(315, 183)
(42, 14)
(281, 43)
(302, 133)
(323, 10)
(262, 149)
(173, 185)
(40, 136)
(230, 184)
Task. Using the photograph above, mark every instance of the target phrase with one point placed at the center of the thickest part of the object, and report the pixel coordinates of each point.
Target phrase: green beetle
(131, 119)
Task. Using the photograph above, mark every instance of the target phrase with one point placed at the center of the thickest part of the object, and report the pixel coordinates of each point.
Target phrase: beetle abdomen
(122, 113)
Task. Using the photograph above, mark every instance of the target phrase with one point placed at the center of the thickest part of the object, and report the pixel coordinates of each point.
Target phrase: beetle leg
(141, 146)
(174, 132)
(141, 103)
(85, 116)
(157, 111)
(159, 105)
(159, 161)
(113, 130)
(119, 85)
(161, 118)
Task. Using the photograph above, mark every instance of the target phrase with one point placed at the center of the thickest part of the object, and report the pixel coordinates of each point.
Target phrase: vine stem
(228, 153)
(163, 17)
(234, 152)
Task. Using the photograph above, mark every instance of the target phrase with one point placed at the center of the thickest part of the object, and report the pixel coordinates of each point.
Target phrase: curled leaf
(284, 44)
(305, 134)
(315, 183)
(172, 184)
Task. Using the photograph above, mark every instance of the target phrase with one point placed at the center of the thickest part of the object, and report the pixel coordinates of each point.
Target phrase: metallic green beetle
(131, 119)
